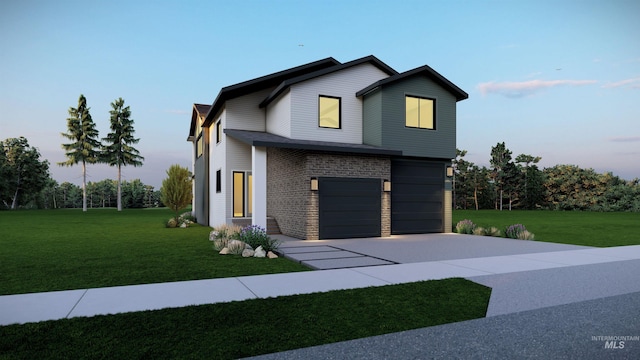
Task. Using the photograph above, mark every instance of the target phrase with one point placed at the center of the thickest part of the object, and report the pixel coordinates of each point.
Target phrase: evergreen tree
(500, 157)
(81, 130)
(118, 150)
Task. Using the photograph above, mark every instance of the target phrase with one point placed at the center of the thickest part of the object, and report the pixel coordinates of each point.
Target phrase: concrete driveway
(403, 249)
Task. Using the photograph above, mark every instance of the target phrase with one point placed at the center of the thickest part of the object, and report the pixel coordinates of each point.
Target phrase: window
(219, 181)
(238, 194)
(419, 112)
(242, 194)
(329, 112)
(219, 131)
(199, 139)
(199, 146)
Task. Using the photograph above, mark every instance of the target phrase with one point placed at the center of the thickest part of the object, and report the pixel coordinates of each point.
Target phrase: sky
(556, 79)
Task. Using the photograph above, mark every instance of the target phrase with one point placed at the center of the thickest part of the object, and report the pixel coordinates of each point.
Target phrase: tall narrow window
(219, 131)
(420, 112)
(329, 112)
(199, 146)
(238, 194)
(219, 181)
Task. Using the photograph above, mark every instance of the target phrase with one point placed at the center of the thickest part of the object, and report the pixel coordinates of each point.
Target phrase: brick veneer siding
(289, 198)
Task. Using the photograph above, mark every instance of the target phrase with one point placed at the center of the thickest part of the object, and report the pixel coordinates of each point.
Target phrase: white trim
(259, 196)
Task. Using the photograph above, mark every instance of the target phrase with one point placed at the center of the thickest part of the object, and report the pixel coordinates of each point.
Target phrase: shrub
(236, 247)
(465, 227)
(490, 231)
(171, 223)
(256, 236)
(526, 235)
(493, 231)
(518, 231)
(221, 234)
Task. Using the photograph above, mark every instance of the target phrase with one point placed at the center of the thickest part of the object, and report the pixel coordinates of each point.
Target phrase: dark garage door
(349, 207)
(417, 195)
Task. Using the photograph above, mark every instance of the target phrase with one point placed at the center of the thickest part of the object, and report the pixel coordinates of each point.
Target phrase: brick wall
(289, 198)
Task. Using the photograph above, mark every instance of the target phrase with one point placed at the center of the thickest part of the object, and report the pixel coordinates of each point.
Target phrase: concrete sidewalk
(606, 264)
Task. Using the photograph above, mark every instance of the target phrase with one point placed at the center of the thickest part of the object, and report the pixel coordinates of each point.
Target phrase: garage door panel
(417, 196)
(420, 208)
(349, 207)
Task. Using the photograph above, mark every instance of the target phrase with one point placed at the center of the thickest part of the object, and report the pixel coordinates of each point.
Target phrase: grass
(248, 328)
(47, 250)
(567, 227)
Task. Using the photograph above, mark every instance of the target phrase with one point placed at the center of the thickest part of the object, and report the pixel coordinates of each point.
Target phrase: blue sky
(556, 79)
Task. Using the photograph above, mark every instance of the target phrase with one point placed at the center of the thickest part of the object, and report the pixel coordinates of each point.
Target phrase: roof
(197, 111)
(258, 138)
(264, 82)
(287, 83)
(422, 70)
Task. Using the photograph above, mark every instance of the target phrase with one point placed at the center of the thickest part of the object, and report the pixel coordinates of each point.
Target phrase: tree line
(25, 182)
(23, 175)
(520, 184)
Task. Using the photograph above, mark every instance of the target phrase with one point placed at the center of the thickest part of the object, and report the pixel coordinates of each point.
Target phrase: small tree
(176, 189)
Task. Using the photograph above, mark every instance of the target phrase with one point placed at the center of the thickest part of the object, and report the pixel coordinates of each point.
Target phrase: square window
(420, 113)
(329, 112)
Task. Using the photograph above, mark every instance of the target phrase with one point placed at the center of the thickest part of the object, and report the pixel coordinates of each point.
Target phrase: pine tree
(118, 150)
(85, 146)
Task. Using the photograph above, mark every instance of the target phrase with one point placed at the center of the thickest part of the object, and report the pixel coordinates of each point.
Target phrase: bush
(256, 236)
(221, 234)
(490, 231)
(465, 227)
(171, 223)
(526, 235)
(518, 231)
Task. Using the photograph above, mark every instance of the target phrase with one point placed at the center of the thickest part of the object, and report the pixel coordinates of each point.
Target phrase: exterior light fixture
(314, 184)
(449, 171)
(386, 185)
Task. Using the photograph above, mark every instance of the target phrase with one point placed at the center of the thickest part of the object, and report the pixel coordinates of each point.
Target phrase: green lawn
(567, 227)
(46, 250)
(247, 328)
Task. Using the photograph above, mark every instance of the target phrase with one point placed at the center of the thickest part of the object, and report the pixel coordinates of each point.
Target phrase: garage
(417, 196)
(349, 207)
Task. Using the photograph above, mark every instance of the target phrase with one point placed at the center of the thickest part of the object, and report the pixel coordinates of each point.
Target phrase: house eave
(424, 70)
(258, 138)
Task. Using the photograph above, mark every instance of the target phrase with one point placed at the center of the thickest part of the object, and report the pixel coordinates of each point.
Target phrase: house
(329, 150)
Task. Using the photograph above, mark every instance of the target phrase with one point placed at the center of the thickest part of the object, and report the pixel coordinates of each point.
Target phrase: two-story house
(329, 150)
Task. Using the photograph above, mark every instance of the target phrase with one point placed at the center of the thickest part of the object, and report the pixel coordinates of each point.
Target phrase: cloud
(525, 88)
(633, 83)
(625, 139)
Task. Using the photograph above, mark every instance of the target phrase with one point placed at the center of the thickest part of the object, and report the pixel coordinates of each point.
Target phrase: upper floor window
(219, 131)
(419, 113)
(199, 146)
(329, 112)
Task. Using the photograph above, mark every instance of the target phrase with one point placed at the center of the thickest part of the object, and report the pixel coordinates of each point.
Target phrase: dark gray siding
(372, 119)
(438, 143)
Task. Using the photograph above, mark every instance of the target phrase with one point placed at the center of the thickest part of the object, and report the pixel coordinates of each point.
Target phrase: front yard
(47, 250)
